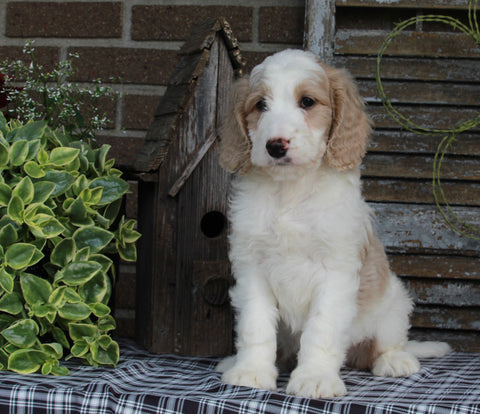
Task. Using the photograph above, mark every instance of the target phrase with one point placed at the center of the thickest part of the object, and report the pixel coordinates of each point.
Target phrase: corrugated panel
(431, 74)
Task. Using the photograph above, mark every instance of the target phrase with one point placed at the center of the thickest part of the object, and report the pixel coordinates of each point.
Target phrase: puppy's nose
(277, 147)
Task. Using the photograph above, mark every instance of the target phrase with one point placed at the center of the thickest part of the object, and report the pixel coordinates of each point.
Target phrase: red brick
(253, 59)
(141, 66)
(44, 56)
(281, 25)
(125, 290)
(66, 19)
(138, 111)
(124, 149)
(175, 22)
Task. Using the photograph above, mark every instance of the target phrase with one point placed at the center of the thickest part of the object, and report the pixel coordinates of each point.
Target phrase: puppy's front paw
(256, 377)
(305, 383)
(395, 364)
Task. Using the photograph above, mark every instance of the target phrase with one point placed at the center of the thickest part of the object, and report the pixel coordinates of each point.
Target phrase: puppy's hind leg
(393, 360)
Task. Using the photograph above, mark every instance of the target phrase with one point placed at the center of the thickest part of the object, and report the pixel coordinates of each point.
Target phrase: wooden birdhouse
(183, 273)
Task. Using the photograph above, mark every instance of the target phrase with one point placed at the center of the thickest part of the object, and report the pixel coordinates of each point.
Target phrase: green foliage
(59, 201)
(37, 94)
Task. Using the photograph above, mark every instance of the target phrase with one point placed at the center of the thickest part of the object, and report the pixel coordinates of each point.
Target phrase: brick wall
(136, 41)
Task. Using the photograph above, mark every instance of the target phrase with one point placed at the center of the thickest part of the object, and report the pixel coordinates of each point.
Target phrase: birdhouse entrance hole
(213, 223)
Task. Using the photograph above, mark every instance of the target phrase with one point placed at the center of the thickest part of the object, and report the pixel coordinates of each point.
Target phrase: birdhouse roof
(193, 59)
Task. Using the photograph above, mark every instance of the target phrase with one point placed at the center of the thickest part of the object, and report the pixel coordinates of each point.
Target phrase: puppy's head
(294, 111)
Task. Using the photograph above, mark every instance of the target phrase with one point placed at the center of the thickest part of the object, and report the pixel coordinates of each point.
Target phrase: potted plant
(59, 202)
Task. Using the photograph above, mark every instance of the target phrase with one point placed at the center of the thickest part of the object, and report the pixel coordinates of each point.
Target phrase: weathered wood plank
(443, 292)
(461, 341)
(408, 142)
(157, 142)
(436, 267)
(421, 228)
(436, 93)
(446, 317)
(420, 166)
(402, 68)
(421, 44)
(320, 28)
(442, 117)
(420, 191)
(417, 4)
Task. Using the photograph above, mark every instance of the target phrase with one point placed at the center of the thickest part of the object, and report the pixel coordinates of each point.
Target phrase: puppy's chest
(287, 225)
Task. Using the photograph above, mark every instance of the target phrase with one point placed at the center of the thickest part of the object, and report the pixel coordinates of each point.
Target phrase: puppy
(313, 283)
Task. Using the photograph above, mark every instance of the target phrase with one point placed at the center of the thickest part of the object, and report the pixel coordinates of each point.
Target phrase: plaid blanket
(146, 383)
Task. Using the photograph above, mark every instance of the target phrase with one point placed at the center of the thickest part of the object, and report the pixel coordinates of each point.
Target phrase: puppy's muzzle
(277, 147)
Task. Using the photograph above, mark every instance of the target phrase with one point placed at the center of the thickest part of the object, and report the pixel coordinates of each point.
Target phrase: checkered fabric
(146, 383)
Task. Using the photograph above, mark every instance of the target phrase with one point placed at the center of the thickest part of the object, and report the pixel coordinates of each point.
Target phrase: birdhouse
(183, 273)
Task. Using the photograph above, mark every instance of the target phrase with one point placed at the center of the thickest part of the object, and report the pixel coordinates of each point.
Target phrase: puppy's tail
(225, 364)
(428, 349)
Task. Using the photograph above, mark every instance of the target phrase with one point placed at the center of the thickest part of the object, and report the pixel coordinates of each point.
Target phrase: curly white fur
(312, 279)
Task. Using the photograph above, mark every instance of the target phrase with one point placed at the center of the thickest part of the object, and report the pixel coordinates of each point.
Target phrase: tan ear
(234, 142)
(351, 126)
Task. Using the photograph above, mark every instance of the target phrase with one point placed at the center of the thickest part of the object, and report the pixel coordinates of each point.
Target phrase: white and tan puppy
(312, 278)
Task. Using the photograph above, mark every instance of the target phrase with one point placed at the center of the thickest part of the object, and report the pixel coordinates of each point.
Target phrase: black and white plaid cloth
(146, 383)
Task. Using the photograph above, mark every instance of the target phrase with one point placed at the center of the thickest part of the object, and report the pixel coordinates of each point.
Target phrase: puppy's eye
(261, 105)
(306, 102)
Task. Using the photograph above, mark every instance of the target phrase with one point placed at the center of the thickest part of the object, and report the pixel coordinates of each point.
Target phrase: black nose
(277, 147)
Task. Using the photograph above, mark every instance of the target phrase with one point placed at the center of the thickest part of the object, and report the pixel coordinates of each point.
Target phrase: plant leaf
(42, 191)
(113, 188)
(63, 155)
(42, 157)
(78, 273)
(101, 157)
(74, 311)
(95, 289)
(15, 209)
(105, 355)
(51, 228)
(99, 309)
(62, 180)
(33, 169)
(63, 252)
(34, 148)
(80, 331)
(6, 281)
(127, 252)
(59, 370)
(94, 237)
(4, 155)
(22, 334)
(26, 361)
(54, 349)
(106, 323)
(79, 349)
(31, 131)
(24, 190)
(59, 336)
(77, 210)
(10, 303)
(8, 235)
(3, 124)
(19, 152)
(22, 255)
(35, 289)
(5, 194)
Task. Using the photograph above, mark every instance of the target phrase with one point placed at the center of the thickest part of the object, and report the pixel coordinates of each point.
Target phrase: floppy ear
(351, 126)
(234, 142)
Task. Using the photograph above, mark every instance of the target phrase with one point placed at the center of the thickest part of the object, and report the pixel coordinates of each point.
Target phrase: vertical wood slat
(320, 28)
